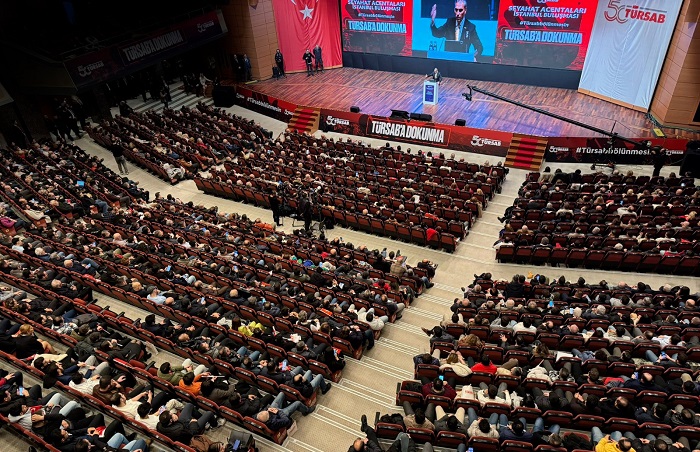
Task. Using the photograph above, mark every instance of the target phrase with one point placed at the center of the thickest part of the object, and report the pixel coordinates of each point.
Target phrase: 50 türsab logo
(622, 13)
(478, 141)
(331, 121)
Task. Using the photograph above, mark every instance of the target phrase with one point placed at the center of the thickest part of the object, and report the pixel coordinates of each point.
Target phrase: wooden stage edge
(378, 92)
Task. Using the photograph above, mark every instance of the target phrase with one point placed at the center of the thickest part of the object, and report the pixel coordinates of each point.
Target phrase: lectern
(430, 92)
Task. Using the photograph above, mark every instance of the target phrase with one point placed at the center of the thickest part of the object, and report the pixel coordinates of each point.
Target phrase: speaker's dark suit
(468, 36)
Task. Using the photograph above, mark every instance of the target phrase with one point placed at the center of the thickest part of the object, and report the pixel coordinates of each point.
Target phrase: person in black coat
(308, 59)
(248, 68)
(275, 205)
(458, 28)
(182, 428)
(318, 57)
(27, 344)
(251, 403)
(658, 156)
(279, 61)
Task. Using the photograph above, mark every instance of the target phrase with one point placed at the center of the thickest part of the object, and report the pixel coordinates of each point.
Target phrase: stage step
(526, 152)
(305, 120)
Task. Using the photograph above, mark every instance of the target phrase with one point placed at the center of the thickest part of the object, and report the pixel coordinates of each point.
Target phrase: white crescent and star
(306, 12)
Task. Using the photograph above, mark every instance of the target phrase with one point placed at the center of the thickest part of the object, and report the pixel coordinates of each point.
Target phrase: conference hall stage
(377, 93)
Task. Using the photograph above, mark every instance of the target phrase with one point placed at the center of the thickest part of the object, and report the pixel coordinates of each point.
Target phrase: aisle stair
(305, 120)
(526, 152)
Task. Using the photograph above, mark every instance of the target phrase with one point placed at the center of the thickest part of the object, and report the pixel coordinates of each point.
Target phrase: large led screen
(535, 33)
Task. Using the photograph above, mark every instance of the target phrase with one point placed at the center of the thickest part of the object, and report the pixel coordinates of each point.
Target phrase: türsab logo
(331, 121)
(86, 70)
(479, 141)
(622, 13)
(203, 27)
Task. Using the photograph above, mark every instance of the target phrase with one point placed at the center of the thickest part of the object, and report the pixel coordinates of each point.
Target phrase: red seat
(387, 430)
(631, 261)
(231, 415)
(523, 254)
(421, 435)
(587, 422)
(439, 400)
(689, 265)
(650, 397)
(260, 428)
(686, 400)
(450, 439)
(558, 256)
(530, 414)
(613, 260)
(563, 418)
(482, 444)
(692, 433)
(505, 253)
(621, 424)
(668, 264)
(595, 258)
(652, 428)
(649, 263)
(515, 446)
(576, 258)
(427, 370)
(540, 256)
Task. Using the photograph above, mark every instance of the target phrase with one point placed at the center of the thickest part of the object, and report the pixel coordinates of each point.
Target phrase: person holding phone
(643, 382)
(274, 371)
(614, 442)
(148, 413)
(183, 427)
(308, 384)
(438, 387)
(29, 416)
(193, 383)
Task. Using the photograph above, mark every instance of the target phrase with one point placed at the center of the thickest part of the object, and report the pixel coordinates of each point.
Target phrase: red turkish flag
(303, 24)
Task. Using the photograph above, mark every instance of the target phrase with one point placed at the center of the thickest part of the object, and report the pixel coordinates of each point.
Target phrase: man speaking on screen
(458, 29)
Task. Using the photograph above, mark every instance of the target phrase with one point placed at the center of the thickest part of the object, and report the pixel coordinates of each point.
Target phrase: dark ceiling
(61, 29)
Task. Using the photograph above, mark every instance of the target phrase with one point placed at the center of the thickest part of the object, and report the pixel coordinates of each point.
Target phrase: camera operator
(275, 205)
(658, 155)
(306, 209)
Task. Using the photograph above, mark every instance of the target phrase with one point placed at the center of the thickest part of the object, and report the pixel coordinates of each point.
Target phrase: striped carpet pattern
(526, 152)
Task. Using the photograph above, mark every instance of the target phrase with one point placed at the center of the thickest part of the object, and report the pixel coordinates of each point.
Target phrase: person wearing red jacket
(485, 366)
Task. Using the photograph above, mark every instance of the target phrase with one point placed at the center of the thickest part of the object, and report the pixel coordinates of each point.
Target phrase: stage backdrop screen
(534, 33)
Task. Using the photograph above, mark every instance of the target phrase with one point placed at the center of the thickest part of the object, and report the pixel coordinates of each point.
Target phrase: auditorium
(350, 225)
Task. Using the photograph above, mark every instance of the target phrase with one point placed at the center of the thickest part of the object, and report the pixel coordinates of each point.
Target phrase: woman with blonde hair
(27, 344)
(455, 361)
(470, 340)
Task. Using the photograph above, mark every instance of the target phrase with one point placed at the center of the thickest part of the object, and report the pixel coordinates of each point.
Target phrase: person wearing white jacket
(376, 323)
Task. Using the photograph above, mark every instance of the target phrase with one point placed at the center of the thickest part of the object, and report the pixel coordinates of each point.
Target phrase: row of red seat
(599, 259)
(415, 234)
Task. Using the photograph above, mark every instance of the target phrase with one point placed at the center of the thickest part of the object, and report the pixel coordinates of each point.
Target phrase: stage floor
(377, 93)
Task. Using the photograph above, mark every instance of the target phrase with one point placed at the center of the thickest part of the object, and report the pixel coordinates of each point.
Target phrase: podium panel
(430, 93)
